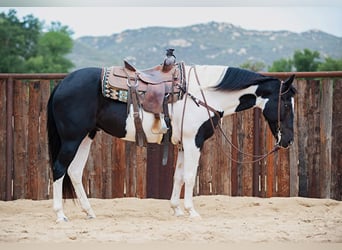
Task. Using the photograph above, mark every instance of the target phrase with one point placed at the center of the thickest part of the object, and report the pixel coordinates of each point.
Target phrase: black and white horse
(77, 109)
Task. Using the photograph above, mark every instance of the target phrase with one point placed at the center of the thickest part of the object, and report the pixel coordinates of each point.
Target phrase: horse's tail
(54, 142)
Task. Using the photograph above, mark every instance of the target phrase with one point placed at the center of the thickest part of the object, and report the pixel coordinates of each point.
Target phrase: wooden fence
(311, 167)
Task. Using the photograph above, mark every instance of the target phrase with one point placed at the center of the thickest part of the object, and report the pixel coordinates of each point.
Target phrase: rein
(204, 104)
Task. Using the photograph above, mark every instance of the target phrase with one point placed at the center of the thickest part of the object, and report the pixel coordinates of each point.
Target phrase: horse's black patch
(246, 101)
(237, 79)
(206, 130)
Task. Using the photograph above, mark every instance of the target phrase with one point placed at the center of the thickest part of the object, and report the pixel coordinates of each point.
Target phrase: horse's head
(278, 112)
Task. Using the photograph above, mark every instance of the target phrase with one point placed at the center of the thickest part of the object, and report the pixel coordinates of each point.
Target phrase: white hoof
(193, 214)
(89, 217)
(61, 216)
(177, 211)
(62, 219)
(90, 214)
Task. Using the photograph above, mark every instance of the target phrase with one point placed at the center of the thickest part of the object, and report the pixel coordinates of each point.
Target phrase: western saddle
(152, 89)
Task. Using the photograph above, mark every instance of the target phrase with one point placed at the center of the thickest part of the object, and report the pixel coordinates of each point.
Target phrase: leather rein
(204, 104)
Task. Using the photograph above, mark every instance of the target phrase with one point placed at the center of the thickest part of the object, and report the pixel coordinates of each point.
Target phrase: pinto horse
(77, 109)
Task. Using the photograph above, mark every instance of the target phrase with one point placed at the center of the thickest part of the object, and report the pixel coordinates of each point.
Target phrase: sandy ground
(130, 220)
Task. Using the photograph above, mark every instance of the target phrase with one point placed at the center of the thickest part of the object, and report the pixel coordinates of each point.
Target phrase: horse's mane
(237, 79)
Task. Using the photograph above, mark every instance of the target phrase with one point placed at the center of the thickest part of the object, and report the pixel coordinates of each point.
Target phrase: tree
(331, 65)
(18, 41)
(306, 60)
(52, 47)
(253, 65)
(282, 65)
(24, 47)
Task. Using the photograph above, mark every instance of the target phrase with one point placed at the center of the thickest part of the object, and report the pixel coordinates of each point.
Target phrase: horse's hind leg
(65, 156)
(75, 172)
(58, 198)
(71, 158)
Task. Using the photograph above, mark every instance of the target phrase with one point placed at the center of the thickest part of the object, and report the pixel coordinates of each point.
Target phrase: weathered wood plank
(107, 166)
(224, 154)
(336, 147)
(33, 140)
(326, 109)
(3, 138)
(216, 166)
(240, 158)
(257, 148)
(141, 172)
(302, 124)
(283, 173)
(131, 158)
(43, 167)
(270, 165)
(313, 149)
(293, 154)
(235, 154)
(93, 176)
(205, 167)
(263, 164)
(166, 174)
(153, 167)
(248, 148)
(119, 163)
(20, 150)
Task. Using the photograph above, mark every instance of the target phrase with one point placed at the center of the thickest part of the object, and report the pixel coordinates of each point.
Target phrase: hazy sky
(97, 21)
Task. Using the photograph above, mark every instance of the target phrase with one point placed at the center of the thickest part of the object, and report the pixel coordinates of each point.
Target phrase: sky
(98, 21)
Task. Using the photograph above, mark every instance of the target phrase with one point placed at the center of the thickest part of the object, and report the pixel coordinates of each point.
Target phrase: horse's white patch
(75, 172)
(261, 102)
(58, 198)
(208, 76)
(147, 122)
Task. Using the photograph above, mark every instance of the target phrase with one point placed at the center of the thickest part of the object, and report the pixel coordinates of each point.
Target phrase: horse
(77, 109)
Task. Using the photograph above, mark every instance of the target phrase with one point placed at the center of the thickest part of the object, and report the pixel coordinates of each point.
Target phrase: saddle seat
(154, 75)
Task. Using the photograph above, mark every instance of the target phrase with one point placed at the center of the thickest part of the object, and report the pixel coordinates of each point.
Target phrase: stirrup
(159, 125)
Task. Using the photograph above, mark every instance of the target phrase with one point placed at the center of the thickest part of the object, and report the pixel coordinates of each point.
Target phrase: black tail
(54, 142)
(53, 137)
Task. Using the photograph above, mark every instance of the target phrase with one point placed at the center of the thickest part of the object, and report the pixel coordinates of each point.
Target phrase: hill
(209, 43)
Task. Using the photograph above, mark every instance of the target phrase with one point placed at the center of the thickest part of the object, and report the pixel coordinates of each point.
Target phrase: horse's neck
(206, 78)
(228, 101)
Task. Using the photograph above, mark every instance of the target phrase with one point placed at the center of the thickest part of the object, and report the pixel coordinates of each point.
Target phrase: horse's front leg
(178, 181)
(191, 158)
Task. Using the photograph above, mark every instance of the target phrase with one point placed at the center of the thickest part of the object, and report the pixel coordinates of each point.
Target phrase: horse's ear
(288, 82)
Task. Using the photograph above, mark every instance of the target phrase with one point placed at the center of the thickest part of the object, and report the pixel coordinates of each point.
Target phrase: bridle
(204, 104)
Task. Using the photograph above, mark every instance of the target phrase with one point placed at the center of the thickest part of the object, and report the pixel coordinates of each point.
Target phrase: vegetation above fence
(311, 167)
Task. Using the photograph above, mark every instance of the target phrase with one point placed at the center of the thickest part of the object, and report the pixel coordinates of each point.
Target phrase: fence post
(256, 151)
(9, 141)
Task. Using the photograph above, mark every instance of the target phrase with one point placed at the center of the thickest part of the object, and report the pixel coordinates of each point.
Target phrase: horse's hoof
(178, 212)
(62, 219)
(193, 214)
(89, 217)
(90, 213)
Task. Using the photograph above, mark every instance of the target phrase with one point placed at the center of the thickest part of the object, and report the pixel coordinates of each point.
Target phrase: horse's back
(78, 80)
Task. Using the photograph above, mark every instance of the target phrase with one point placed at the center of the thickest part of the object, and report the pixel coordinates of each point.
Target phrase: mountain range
(207, 43)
